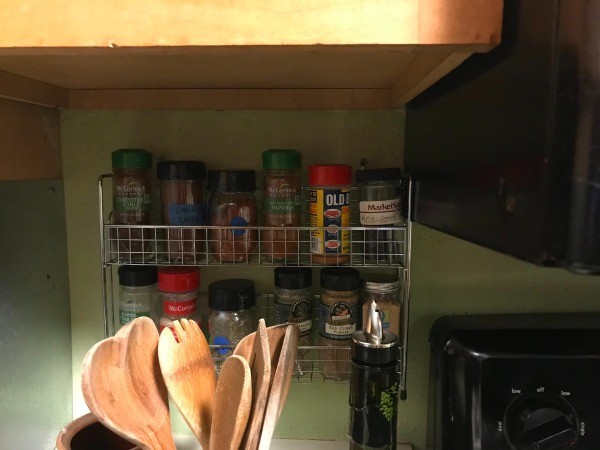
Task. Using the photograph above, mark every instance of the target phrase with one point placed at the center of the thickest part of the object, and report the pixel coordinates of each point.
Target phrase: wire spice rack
(387, 247)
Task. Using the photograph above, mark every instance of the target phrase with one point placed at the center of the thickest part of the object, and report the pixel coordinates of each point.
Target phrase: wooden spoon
(123, 387)
(280, 385)
(233, 401)
(189, 373)
(275, 336)
(260, 368)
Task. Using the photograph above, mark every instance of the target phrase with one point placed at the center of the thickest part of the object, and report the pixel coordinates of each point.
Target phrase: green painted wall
(449, 275)
(35, 337)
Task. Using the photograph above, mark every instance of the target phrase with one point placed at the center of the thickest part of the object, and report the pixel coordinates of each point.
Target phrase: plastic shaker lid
(135, 276)
(181, 170)
(231, 295)
(131, 158)
(281, 159)
(178, 279)
(388, 174)
(340, 279)
(293, 277)
(231, 180)
(329, 175)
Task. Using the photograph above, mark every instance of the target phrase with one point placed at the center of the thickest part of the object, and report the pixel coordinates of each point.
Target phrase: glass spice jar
(183, 203)
(232, 203)
(138, 293)
(233, 313)
(329, 210)
(178, 288)
(338, 315)
(386, 291)
(282, 190)
(293, 304)
(380, 207)
(132, 201)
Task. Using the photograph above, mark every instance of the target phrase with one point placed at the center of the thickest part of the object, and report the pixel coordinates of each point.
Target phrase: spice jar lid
(131, 158)
(181, 170)
(329, 174)
(178, 279)
(340, 279)
(382, 283)
(276, 158)
(135, 276)
(293, 277)
(231, 180)
(388, 174)
(231, 295)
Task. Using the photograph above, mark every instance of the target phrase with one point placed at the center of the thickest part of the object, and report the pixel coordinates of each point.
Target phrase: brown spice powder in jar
(282, 200)
(232, 203)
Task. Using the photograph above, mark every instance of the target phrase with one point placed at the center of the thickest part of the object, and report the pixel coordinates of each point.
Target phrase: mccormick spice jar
(233, 316)
(379, 192)
(282, 189)
(232, 203)
(338, 315)
(138, 294)
(183, 203)
(293, 304)
(330, 209)
(132, 201)
(178, 288)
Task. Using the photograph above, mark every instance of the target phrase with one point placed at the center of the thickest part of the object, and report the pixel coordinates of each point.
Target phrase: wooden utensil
(233, 401)
(280, 385)
(260, 368)
(123, 387)
(189, 373)
(275, 334)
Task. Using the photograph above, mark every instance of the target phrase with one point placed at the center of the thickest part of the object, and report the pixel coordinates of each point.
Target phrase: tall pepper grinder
(373, 385)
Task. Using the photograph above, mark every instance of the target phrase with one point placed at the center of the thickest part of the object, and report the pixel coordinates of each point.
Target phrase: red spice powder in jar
(178, 287)
(282, 190)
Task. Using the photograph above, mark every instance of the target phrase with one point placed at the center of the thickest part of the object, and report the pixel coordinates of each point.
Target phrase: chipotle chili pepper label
(131, 198)
(180, 308)
(338, 321)
(330, 209)
(187, 214)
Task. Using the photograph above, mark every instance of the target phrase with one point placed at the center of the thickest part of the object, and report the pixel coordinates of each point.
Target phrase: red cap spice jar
(329, 210)
(282, 200)
(178, 288)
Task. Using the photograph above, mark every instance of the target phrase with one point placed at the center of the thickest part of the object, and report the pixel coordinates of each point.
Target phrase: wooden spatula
(280, 385)
(233, 401)
(260, 368)
(123, 387)
(189, 373)
(275, 336)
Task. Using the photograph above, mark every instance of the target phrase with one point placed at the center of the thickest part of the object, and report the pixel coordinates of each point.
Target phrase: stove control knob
(540, 425)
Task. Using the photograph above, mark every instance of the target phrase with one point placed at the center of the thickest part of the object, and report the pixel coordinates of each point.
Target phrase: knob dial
(541, 423)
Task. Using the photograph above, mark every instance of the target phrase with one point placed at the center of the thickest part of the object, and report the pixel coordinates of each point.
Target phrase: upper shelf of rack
(237, 54)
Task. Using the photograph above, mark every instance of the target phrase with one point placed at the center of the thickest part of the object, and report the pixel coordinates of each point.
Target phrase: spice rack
(153, 250)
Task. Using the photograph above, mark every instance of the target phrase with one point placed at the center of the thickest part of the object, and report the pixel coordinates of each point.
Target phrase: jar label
(183, 215)
(131, 198)
(338, 321)
(299, 312)
(330, 209)
(179, 308)
(126, 315)
(379, 213)
(282, 201)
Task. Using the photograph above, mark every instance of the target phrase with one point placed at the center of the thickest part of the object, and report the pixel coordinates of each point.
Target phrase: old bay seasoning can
(329, 210)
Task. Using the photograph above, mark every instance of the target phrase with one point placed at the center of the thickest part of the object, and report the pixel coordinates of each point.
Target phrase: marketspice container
(178, 288)
(132, 201)
(183, 203)
(282, 190)
(330, 208)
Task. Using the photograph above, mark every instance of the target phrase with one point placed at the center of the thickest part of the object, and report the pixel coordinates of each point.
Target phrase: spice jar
(232, 203)
(183, 204)
(293, 304)
(386, 291)
(380, 206)
(179, 294)
(330, 209)
(132, 200)
(138, 294)
(338, 315)
(282, 189)
(233, 316)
